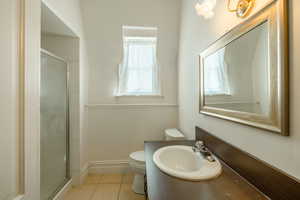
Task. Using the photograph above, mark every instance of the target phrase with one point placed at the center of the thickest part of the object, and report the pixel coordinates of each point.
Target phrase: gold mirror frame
(21, 101)
(275, 14)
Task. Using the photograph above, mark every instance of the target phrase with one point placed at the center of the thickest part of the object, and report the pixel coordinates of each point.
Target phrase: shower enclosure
(54, 123)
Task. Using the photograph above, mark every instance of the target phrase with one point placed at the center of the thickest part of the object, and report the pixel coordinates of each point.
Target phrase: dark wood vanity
(243, 176)
(228, 185)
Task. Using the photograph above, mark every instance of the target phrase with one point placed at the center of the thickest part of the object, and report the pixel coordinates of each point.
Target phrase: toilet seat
(173, 134)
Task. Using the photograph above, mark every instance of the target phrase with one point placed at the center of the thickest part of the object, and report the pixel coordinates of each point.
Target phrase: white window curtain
(216, 74)
(139, 72)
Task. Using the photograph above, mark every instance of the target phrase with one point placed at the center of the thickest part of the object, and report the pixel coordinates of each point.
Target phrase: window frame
(157, 92)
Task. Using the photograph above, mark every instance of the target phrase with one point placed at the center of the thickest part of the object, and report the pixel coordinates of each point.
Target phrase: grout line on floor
(119, 190)
(120, 187)
(94, 191)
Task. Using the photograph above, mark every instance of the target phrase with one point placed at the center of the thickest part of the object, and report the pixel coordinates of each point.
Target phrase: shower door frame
(68, 138)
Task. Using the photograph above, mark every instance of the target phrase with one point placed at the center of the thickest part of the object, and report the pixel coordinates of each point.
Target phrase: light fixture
(205, 8)
(243, 7)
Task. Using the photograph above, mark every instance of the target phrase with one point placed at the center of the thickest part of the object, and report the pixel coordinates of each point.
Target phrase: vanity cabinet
(228, 186)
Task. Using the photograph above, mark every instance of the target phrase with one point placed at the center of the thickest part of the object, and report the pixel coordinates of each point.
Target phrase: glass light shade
(205, 8)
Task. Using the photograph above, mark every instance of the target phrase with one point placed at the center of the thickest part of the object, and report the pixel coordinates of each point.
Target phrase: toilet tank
(173, 134)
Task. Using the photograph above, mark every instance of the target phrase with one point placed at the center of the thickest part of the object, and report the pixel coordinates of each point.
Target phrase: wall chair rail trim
(129, 106)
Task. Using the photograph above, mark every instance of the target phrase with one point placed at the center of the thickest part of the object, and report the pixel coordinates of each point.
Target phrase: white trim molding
(109, 166)
(32, 23)
(129, 106)
(20, 197)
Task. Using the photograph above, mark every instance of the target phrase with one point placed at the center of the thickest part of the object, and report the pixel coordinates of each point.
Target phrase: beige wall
(116, 131)
(196, 34)
(112, 135)
(260, 73)
(105, 48)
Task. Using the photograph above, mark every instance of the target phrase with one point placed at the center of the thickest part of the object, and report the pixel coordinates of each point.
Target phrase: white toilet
(137, 161)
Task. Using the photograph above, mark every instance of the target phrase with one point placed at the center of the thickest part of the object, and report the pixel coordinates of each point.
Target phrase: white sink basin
(180, 161)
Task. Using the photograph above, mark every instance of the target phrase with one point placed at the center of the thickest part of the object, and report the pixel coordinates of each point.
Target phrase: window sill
(139, 95)
(216, 95)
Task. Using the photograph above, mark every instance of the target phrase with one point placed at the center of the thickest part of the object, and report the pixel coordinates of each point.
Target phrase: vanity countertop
(228, 186)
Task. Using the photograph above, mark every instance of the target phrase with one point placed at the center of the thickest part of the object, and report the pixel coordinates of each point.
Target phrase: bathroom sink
(182, 162)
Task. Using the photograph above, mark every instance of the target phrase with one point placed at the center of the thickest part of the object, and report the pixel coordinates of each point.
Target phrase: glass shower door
(54, 125)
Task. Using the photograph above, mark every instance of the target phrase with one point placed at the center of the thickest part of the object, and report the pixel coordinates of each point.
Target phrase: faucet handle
(199, 144)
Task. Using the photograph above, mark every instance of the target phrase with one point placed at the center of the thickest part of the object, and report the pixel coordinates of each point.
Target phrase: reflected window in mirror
(216, 74)
(236, 76)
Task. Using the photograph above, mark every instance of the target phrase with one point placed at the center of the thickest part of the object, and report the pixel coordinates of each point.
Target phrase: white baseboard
(130, 106)
(20, 197)
(60, 195)
(110, 166)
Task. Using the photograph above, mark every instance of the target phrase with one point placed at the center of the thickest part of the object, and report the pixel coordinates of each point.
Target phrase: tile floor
(105, 187)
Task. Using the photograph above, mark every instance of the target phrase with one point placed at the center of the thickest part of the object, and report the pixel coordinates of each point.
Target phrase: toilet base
(138, 184)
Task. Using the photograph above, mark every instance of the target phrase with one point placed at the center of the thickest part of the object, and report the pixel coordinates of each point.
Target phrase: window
(139, 72)
(216, 74)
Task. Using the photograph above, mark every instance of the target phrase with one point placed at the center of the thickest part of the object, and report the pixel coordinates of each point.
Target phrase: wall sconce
(205, 8)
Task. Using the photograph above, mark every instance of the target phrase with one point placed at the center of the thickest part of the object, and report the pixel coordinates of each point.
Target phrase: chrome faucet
(201, 148)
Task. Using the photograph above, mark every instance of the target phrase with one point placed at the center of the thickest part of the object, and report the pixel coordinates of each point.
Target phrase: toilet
(137, 161)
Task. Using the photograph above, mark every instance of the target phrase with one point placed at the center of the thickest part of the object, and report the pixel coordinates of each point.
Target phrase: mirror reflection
(236, 77)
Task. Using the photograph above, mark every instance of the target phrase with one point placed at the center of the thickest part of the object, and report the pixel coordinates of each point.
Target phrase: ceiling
(51, 24)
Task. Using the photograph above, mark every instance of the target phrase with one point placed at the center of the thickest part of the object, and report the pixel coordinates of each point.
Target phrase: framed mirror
(244, 74)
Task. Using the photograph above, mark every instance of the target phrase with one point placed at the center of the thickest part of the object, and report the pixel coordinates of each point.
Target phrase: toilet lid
(138, 156)
(174, 133)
